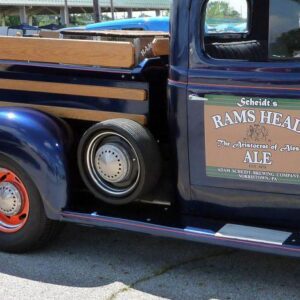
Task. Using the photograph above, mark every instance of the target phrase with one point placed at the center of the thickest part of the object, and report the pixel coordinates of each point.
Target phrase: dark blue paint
(27, 137)
(178, 95)
(71, 70)
(234, 200)
(195, 234)
(43, 74)
(90, 103)
(69, 76)
(37, 142)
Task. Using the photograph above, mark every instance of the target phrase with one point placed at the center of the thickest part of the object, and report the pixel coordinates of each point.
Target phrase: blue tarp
(23, 27)
(51, 27)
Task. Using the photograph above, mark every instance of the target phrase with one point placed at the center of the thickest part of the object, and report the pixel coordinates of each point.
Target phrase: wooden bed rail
(161, 46)
(75, 52)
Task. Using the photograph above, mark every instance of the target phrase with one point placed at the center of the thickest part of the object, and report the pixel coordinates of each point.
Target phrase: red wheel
(23, 222)
(14, 202)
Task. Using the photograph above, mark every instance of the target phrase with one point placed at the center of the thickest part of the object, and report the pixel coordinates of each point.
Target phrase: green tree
(12, 20)
(221, 9)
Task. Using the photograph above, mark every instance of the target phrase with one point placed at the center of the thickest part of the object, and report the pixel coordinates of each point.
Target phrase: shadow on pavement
(87, 257)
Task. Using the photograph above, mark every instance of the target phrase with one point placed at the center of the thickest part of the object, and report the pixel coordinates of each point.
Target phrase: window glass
(226, 16)
(266, 30)
(284, 29)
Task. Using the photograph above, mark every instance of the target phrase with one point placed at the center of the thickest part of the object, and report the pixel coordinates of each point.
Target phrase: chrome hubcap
(113, 163)
(10, 199)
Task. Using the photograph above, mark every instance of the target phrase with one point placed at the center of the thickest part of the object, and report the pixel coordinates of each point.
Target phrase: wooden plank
(78, 114)
(161, 46)
(49, 34)
(75, 52)
(73, 89)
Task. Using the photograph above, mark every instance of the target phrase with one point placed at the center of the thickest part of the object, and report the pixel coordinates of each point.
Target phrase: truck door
(244, 100)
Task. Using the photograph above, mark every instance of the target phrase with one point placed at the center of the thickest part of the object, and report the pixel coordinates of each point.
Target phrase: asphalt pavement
(87, 263)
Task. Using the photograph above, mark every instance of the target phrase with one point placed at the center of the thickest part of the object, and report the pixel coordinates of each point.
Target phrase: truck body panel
(87, 93)
(256, 200)
(39, 143)
(226, 129)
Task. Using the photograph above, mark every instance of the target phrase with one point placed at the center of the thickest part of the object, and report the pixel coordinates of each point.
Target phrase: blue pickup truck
(148, 24)
(161, 24)
(198, 141)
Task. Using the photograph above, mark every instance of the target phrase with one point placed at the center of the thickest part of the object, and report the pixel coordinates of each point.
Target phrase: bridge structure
(25, 9)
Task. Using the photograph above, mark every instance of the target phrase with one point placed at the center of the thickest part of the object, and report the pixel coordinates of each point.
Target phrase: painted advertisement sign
(254, 139)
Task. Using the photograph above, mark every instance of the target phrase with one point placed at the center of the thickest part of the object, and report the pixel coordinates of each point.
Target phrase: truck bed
(86, 80)
(86, 50)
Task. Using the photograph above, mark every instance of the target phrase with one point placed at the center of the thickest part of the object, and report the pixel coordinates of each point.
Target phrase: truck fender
(38, 143)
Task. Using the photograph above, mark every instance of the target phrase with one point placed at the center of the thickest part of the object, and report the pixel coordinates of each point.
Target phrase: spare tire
(119, 161)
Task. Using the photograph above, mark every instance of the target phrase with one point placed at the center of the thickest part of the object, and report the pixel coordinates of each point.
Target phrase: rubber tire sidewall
(34, 227)
(144, 185)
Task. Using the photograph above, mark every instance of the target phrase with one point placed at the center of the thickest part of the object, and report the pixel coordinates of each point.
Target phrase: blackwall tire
(36, 230)
(143, 160)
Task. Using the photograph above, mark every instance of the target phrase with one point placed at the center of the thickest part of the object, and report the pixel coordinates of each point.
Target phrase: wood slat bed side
(74, 89)
(75, 52)
(49, 34)
(161, 46)
(78, 114)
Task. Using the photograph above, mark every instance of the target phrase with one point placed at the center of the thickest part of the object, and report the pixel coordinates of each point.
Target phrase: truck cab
(195, 139)
(241, 98)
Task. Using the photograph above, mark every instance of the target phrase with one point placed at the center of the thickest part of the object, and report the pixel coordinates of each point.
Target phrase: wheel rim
(106, 151)
(14, 202)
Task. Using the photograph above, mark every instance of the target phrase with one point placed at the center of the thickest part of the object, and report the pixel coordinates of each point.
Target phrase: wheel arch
(38, 143)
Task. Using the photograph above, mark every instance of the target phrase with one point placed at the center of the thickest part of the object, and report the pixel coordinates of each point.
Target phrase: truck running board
(253, 234)
(229, 235)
